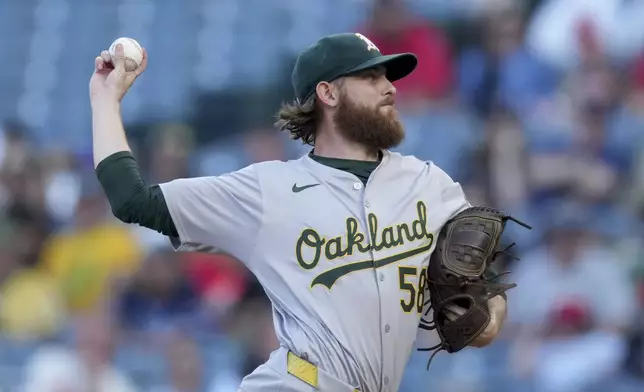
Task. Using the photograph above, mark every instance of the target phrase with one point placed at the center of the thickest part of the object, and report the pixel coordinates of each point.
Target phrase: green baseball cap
(339, 55)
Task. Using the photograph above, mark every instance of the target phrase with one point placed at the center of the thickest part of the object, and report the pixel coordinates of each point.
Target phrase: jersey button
(386, 380)
(382, 276)
(357, 186)
(366, 204)
(387, 328)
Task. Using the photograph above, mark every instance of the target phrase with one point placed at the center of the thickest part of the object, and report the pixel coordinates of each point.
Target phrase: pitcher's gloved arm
(131, 200)
(498, 313)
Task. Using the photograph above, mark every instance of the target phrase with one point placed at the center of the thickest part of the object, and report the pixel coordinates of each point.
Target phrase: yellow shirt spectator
(30, 305)
(85, 261)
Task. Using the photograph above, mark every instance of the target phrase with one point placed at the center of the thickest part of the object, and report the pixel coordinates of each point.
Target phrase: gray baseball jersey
(342, 263)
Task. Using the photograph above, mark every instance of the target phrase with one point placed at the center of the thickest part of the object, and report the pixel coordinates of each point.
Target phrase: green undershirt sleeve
(131, 200)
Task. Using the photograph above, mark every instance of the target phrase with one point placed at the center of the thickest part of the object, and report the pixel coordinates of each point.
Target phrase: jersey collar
(312, 163)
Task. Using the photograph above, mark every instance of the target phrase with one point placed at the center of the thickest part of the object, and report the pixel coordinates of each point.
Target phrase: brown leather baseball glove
(459, 274)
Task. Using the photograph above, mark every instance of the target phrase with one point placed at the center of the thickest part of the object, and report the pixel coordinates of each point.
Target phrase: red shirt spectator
(216, 277)
(393, 30)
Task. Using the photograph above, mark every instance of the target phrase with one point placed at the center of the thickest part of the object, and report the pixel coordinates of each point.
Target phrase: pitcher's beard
(368, 126)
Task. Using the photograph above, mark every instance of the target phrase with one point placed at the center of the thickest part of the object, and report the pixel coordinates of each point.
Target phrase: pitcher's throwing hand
(112, 77)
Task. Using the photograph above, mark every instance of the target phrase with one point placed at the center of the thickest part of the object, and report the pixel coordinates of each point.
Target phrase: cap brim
(397, 65)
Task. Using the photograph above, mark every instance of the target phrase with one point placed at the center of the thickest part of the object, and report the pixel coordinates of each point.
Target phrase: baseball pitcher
(349, 242)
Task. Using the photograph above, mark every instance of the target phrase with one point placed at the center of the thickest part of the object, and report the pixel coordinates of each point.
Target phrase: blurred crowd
(536, 107)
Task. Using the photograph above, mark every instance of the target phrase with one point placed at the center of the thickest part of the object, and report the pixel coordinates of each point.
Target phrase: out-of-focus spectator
(555, 30)
(21, 175)
(570, 165)
(89, 256)
(159, 299)
(436, 128)
(576, 142)
(14, 146)
(634, 363)
(468, 10)
(31, 306)
(168, 152)
(85, 366)
(502, 173)
(630, 121)
(220, 280)
(8, 258)
(62, 186)
(44, 316)
(572, 333)
(185, 366)
(635, 195)
(263, 144)
(395, 30)
(506, 160)
(501, 71)
(165, 156)
(448, 135)
(254, 328)
(24, 191)
(635, 360)
(256, 145)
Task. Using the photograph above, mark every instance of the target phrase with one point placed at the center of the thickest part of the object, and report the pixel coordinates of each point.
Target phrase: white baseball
(132, 51)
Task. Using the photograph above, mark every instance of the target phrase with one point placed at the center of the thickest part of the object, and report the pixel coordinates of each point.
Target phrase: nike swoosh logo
(297, 189)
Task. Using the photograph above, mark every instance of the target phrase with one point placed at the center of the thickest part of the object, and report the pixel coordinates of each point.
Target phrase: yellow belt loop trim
(302, 369)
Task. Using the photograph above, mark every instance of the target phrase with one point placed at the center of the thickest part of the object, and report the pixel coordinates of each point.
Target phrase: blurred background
(536, 107)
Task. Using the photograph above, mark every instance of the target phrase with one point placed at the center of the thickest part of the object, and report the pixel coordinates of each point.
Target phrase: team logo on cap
(370, 45)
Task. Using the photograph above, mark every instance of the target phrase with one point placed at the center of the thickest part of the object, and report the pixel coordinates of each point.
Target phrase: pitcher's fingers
(105, 55)
(98, 63)
(452, 312)
(144, 63)
(456, 309)
(451, 316)
(118, 59)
